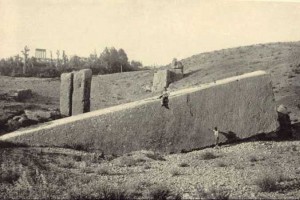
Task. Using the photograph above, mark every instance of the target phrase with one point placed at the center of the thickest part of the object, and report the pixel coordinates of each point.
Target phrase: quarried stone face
(66, 92)
(81, 91)
(241, 107)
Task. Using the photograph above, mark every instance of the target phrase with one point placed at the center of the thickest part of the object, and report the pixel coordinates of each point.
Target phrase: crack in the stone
(188, 104)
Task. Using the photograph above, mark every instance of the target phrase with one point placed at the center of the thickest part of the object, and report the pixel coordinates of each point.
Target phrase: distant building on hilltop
(41, 54)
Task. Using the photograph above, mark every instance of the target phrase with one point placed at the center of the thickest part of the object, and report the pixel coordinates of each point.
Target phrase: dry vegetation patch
(68, 174)
(208, 155)
(213, 193)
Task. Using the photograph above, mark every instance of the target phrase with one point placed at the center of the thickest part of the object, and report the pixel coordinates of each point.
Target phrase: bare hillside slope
(281, 60)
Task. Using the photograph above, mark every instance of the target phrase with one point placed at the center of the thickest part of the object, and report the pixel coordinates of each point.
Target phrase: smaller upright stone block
(66, 92)
(161, 79)
(81, 91)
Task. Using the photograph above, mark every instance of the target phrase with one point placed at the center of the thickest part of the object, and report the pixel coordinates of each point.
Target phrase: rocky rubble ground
(232, 168)
(15, 114)
(251, 170)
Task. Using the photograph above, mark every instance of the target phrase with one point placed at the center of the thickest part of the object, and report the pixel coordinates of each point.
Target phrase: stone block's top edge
(219, 82)
(104, 111)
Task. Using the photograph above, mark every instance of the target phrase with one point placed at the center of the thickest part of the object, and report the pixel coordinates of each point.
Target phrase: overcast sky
(151, 31)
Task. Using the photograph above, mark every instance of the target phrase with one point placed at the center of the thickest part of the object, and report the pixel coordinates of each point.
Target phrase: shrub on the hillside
(138, 188)
(100, 191)
(160, 192)
(213, 193)
(103, 171)
(184, 164)
(291, 76)
(115, 193)
(9, 174)
(253, 159)
(155, 156)
(175, 172)
(66, 162)
(208, 156)
(147, 166)
(268, 182)
(221, 164)
(129, 161)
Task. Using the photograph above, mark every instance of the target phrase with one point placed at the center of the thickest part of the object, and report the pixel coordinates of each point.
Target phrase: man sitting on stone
(165, 98)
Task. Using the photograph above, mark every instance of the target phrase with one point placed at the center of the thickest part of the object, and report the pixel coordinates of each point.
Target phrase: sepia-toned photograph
(149, 99)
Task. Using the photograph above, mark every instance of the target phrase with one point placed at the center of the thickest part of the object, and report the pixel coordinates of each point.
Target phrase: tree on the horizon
(26, 54)
(75, 62)
(65, 59)
(110, 60)
(114, 60)
(136, 64)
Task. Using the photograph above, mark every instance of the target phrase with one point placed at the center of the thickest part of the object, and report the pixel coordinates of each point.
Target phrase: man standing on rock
(165, 98)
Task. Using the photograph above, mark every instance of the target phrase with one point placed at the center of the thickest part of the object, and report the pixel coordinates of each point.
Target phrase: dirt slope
(281, 60)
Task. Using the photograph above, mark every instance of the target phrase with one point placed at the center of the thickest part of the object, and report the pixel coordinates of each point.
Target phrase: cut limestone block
(66, 92)
(81, 91)
(38, 115)
(161, 79)
(241, 107)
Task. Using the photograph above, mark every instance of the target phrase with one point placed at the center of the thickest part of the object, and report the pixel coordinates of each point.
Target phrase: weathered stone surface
(242, 106)
(66, 92)
(163, 78)
(81, 91)
(38, 115)
(19, 121)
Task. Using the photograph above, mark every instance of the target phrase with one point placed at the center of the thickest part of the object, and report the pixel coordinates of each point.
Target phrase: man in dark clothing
(165, 98)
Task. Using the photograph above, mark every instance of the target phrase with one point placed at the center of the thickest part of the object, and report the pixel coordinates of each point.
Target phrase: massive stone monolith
(66, 92)
(241, 107)
(81, 91)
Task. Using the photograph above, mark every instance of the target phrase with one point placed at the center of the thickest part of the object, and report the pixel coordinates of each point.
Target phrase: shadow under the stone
(230, 136)
(190, 73)
(296, 131)
(6, 144)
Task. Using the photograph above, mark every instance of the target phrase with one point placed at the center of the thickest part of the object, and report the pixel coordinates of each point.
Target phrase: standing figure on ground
(165, 98)
(216, 134)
